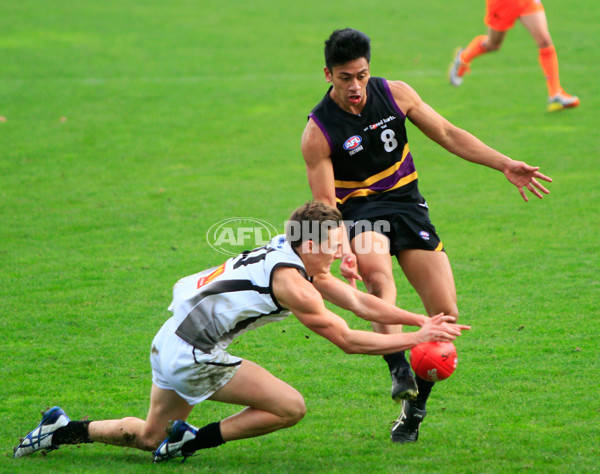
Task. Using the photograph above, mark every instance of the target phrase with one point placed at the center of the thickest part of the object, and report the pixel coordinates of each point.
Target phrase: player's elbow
(350, 349)
(323, 197)
(349, 344)
(448, 136)
(355, 306)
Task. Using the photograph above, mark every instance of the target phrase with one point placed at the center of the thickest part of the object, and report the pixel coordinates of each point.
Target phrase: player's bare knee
(439, 301)
(294, 412)
(379, 284)
(544, 42)
(449, 309)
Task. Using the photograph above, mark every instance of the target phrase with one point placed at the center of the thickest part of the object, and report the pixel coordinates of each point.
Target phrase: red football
(433, 361)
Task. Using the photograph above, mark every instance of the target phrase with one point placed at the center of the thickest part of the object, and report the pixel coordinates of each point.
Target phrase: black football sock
(396, 360)
(75, 432)
(207, 437)
(424, 392)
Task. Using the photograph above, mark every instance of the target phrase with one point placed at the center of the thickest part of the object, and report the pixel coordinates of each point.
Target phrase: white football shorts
(193, 374)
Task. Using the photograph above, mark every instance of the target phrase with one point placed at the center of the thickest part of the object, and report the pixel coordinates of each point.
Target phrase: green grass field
(132, 127)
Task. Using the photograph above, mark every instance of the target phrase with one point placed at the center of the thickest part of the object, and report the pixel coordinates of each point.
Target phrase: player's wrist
(419, 336)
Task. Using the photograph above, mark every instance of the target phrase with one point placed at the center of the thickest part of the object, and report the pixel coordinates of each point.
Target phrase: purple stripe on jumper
(392, 100)
(407, 167)
(320, 125)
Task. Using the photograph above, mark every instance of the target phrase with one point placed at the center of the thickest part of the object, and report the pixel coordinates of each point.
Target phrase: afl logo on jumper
(352, 143)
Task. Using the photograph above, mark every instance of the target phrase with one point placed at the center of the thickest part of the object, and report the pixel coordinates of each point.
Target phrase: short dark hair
(346, 45)
(312, 221)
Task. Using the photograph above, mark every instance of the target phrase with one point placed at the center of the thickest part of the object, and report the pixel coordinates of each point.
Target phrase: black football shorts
(408, 228)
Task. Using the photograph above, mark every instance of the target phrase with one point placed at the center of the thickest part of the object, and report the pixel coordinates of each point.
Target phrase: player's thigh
(254, 386)
(372, 251)
(537, 25)
(430, 274)
(165, 406)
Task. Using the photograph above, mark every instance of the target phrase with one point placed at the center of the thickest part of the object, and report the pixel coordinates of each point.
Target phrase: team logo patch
(207, 279)
(352, 142)
(424, 235)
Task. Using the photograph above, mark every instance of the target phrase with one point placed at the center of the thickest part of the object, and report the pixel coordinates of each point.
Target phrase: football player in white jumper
(189, 357)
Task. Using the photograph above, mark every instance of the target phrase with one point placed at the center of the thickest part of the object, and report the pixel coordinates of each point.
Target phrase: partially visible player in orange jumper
(500, 17)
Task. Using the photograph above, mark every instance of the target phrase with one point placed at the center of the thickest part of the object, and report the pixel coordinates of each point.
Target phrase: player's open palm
(524, 176)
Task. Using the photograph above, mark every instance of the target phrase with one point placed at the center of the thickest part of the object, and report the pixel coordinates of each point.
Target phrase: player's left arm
(295, 293)
(362, 304)
(463, 144)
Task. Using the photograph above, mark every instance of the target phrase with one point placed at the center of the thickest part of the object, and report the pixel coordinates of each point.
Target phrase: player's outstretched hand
(441, 327)
(349, 269)
(524, 176)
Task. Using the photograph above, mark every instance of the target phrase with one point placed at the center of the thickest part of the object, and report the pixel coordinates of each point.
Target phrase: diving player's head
(346, 45)
(314, 231)
(312, 221)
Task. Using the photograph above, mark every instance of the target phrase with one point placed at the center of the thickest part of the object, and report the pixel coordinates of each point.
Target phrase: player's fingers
(448, 331)
(543, 177)
(538, 185)
(522, 167)
(350, 275)
(522, 193)
(446, 318)
(437, 319)
(534, 191)
(453, 332)
(348, 269)
(537, 193)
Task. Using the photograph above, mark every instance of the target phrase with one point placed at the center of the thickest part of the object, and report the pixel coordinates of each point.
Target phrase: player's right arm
(319, 169)
(299, 296)
(316, 153)
(364, 305)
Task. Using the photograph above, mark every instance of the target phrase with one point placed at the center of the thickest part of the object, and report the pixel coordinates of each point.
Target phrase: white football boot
(179, 434)
(41, 437)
